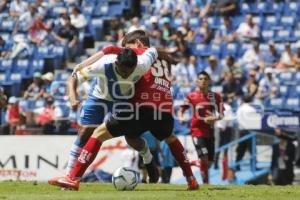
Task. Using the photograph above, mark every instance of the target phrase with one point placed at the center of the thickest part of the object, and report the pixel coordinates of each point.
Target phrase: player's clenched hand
(76, 69)
(209, 120)
(74, 103)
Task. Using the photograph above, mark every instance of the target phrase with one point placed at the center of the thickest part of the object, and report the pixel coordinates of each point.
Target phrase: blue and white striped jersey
(109, 85)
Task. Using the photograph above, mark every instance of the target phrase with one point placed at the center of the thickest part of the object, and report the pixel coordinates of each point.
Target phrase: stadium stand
(277, 22)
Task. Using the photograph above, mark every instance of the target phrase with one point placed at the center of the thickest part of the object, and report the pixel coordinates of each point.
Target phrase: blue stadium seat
(7, 25)
(283, 35)
(288, 21)
(231, 49)
(6, 65)
(201, 50)
(22, 67)
(283, 90)
(177, 22)
(274, 103)
(285, 77)
(194, 22)
(292, 104)
(270, 22)
(96, 28)
(290, 8)
(267, 35)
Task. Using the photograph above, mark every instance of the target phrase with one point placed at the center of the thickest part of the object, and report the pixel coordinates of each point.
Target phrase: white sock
(146, 154)
(74, 154)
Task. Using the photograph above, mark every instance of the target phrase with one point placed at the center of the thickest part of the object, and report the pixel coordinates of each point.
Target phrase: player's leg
(162, 129)
(84, 134)
(202, 151)
(87, 156)
(142, 147)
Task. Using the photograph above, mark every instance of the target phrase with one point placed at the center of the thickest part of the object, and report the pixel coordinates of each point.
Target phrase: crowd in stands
(249, 48)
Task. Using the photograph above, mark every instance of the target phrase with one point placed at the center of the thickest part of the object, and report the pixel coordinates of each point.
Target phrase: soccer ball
(125, 178)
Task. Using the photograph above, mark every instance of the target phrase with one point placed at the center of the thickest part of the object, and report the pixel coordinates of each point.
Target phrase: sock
(204, 172)
(225, 167)
(146, 154)
(180, 156)
(74, 154)
(87, 156)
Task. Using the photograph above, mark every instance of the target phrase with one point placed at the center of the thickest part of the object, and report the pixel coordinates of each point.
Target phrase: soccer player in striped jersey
(114, 77)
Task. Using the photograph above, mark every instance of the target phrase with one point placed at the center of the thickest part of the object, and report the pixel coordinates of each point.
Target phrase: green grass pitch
(98, 191)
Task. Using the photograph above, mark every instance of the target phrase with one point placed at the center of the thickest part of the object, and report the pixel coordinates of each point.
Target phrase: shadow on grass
(219, 188)
(162, 189)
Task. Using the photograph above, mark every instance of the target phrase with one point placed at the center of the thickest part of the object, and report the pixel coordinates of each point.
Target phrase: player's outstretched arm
(95, 57)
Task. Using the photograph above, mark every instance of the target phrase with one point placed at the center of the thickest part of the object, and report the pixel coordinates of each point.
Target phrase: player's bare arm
(72, 92)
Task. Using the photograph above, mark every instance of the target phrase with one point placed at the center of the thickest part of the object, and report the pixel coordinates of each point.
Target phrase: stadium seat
(22, 67)
(283, 90)
(177, 22)
(270, 22)
(292, 104)
(283, 35)
(285, 77)
(267, 35)
(288, 21)
(290, 8)
(7, 25)
(230, 49)
(96, 28)
(194, 22)
(6, 65)
(274, 103)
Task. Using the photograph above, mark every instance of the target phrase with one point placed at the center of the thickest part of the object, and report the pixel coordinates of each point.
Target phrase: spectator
(247, 118)
(167, 30)
(4, 7)
(47, 116)
(78, 20)
(226, 33)
(251, 87)
(38, 32)
(271, 57)
(47, 78)
(214, 70)
(35, 89)
(232, 87)
(177, 45)
(296, 59)
(268, 85)
(248, 30)
(192, 72)
(225, 129)
(4, 47)
(204, 33)
(286, 59)
(283, 158)
(252, 59)
(231, 66)
(135, 25)
(181, 73)
(222, 7)
(3, 98)
(68, 35)
(26, 19)
(13, 114)
(20, 48)
(17, 8)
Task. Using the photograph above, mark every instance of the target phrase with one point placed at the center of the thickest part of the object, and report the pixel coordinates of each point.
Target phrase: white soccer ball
(125, 178)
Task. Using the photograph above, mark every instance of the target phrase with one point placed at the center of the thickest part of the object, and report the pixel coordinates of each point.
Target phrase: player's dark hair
(127, 57)
(131, 37)
(247, 98)
(204, 73)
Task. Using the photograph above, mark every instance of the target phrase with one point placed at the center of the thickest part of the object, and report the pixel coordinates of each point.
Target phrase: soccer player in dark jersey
(207, 108)
(152, 110)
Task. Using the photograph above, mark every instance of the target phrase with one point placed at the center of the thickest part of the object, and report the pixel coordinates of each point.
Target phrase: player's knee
(101, 133)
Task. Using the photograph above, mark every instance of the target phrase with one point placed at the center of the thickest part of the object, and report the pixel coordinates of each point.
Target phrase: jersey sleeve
(94, 70)
(146, 60)
(112, 50)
